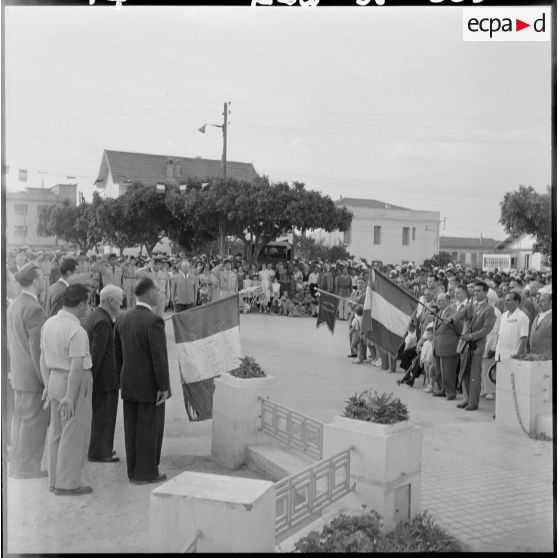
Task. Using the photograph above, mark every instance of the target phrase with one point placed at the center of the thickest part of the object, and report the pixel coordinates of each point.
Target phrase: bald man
(106, 381)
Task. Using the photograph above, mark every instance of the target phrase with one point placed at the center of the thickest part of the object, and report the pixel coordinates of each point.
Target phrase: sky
(376, 102)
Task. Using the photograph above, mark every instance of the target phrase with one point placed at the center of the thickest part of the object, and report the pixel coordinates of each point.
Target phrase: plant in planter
(248, 368)
(381, 409)
(362, 533)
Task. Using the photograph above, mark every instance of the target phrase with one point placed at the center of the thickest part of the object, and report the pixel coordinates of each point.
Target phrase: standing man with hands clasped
(140, 351)
(66, 370)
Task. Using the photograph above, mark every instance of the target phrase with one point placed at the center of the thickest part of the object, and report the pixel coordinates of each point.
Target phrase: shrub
(382, 409)
(361, 533)
(248, 368)
(345, 533)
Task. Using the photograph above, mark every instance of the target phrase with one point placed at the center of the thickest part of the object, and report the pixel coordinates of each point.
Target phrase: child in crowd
(355, 329)
(427, 358)
(309, 303)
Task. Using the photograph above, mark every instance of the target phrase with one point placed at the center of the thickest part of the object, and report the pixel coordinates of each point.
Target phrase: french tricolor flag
(388, 310)
(208, 339)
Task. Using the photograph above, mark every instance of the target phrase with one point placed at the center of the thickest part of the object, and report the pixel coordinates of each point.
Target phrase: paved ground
(491, 489)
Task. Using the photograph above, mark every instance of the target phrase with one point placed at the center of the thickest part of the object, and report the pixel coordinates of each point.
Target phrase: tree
(73, 223)
(529, 212)
(147, 215)
(117, 227)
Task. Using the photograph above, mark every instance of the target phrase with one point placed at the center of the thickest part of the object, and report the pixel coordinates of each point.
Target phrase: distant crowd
(281, 288)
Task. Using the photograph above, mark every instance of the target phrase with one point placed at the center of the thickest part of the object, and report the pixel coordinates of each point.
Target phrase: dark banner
(327, 310)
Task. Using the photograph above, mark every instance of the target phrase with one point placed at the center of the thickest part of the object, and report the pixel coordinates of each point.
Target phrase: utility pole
(224, 171)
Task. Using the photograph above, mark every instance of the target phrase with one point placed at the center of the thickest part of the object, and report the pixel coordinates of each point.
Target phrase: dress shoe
(38, 475)
(113, 452)
(105, 460)
(462, 405)
(51, 489)
(438, 394)
(160, 478)
(450, 397)
(352, 356)
(471, 407)
(73, 491)
(490, 397)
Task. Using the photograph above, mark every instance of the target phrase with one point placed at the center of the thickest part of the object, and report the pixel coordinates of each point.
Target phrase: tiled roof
(458, 243)
(373, 204)
(150, 169)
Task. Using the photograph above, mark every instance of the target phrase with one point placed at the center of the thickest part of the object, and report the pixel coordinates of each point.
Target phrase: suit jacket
(446, 336)
(100, 331)
(540, 339)
(140, 351)
(53, 299)
(24, 320)
(478, 323)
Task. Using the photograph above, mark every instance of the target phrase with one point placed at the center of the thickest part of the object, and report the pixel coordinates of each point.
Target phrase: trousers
(472, 380)
(144, 425)
(103, 423)
(28, 432)
(68, 438)
(446, 374)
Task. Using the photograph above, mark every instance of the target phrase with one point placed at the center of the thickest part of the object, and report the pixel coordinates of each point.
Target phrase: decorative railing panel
(299, 496)
(292, 428)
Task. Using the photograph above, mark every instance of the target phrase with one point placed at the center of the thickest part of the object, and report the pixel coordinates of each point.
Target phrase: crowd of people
(72, 350)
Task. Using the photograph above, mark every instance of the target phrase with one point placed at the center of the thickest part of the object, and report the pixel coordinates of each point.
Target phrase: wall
(391, 249)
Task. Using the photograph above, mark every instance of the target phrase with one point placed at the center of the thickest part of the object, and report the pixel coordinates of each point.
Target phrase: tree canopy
(73, 223)
(526, 211)
(252, 212)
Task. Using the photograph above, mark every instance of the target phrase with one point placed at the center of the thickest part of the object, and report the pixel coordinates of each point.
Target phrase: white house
(385, 232)
(516, 252)
(121, 169)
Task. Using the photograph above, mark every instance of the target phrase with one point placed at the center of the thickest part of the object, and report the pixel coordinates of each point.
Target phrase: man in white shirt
(514, 329)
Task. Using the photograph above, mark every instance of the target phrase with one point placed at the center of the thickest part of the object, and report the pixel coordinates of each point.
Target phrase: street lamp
(224, 128)
(223, 167)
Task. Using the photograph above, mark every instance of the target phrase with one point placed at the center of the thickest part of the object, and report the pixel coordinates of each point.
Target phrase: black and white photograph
(277, 277)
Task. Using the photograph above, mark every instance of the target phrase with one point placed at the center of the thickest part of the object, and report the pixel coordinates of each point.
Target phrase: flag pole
(339, 297)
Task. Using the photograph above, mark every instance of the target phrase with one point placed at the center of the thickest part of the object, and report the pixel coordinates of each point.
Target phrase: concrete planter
(236, 417)
(386, 465)
(533, 388)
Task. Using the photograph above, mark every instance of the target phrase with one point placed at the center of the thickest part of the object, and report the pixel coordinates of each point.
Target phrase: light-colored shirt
(30, 294)
(540, 317)
(512, 328)
(63, 338)
(138, 303)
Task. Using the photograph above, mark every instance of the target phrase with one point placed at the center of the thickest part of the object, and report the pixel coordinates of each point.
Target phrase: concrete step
(276, 462)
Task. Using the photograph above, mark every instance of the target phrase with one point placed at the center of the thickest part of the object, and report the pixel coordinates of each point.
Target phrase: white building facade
(386, 233)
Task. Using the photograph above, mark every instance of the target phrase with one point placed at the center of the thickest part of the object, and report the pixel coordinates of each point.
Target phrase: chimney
(170, 168)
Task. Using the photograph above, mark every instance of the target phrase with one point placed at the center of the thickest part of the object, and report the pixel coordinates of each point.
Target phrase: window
(454, 256)
(42, 235)
(414, 233)
(20, 230)
(20, 209)
(473, 258)
(377, 235)
(347, 237)
(405, 236)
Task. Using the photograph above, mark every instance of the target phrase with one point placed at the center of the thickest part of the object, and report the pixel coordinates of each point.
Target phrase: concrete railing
(292, 428)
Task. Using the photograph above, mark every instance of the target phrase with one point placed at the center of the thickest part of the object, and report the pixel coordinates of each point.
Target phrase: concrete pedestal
(533, 387)
(232, 514)
(385, 465)
(236, 417)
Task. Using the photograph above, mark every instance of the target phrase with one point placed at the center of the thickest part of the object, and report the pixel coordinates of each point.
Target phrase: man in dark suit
(479, 320)
(106, 380)
(140, 349)
(54, 294)
(25, 318)
(540, 338)
(446, 359)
